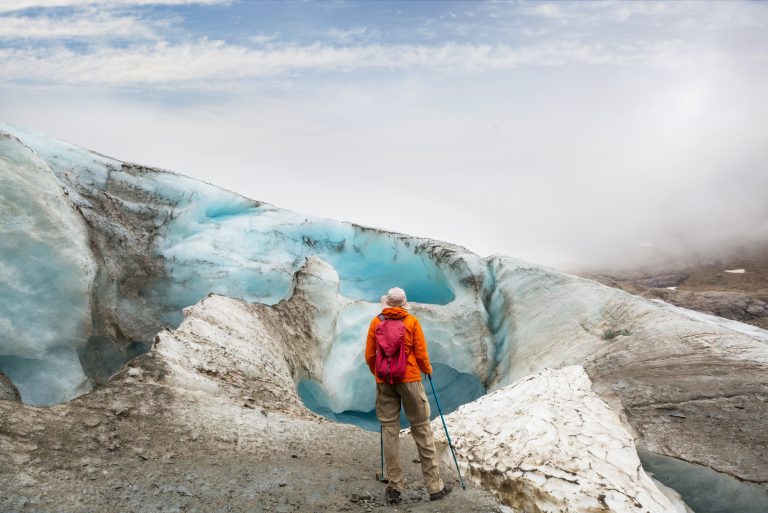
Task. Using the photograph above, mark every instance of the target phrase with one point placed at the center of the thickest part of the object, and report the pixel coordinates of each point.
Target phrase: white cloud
(581, 166)
(347, 35)
(552, 11)
(217, 61)
(98, 25)
(539, 32)
(682, 14)
(20, 5)
(261, 39)
(642, 127)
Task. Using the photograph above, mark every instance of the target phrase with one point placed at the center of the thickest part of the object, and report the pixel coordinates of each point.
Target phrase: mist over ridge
(575, 135)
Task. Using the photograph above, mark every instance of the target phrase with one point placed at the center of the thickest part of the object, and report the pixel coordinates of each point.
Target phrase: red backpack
(390, 350)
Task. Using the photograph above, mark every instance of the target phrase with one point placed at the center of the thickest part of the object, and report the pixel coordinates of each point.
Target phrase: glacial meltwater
(703, 489)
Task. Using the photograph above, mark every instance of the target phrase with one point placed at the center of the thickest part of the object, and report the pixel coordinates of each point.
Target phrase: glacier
(100, 257)
(161, 242)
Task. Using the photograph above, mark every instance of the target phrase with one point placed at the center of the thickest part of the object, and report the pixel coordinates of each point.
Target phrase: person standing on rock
(396, 353)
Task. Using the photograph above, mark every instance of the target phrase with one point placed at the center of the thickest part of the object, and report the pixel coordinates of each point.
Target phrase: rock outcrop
(730, 282)
(8, 391)
(738, 306)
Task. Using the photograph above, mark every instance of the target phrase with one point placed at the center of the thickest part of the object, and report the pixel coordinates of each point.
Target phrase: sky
(570, 134)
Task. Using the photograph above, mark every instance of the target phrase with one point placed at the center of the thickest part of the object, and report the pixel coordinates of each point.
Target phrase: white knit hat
(395, 298)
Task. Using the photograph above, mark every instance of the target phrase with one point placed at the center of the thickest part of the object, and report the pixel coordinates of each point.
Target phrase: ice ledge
(549, 443)
(249, 353)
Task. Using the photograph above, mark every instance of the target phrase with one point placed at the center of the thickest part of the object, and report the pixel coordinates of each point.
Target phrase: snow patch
(549, 443)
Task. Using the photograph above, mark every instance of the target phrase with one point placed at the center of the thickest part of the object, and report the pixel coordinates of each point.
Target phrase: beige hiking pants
(414, 400)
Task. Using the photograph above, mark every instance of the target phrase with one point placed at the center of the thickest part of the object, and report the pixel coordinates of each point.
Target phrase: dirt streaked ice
(549, 443)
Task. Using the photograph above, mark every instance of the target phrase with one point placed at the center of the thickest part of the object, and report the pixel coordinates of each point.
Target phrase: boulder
(8, 391)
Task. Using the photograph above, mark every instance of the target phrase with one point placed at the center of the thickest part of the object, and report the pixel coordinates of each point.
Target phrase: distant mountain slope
(706, 286)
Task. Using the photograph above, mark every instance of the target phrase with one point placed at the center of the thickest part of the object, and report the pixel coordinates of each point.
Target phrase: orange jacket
(415, 345)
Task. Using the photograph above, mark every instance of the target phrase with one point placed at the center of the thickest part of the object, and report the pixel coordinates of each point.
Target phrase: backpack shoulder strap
(381, 317)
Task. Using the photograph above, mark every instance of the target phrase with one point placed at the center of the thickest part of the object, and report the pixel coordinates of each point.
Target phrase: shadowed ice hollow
(453, 389)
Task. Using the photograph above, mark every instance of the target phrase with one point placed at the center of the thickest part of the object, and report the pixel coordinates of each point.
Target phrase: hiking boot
(442, 493)
(393, 496)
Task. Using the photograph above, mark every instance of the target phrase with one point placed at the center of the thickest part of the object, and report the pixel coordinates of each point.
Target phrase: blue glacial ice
(160, 242)
(453, 389)
(46, 272)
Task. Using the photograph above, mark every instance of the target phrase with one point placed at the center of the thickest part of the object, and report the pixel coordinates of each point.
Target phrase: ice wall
(543, 318)
(344, 388)
(690, 388)
(160, 242)
(46, 272)
(252, 252)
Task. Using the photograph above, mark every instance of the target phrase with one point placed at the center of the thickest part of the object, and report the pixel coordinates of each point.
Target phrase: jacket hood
(395, 313)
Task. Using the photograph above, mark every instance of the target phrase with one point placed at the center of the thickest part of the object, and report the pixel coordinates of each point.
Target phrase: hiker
(398, 380)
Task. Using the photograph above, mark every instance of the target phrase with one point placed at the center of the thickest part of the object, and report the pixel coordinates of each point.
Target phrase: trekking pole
(382, 479)
(445, 427)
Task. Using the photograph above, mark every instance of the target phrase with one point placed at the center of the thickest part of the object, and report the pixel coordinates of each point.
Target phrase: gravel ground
(317, 479)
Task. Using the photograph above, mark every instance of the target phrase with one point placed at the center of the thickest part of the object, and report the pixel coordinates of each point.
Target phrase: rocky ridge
(706, 284)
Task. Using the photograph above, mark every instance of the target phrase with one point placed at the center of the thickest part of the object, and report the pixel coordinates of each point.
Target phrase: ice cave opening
(453, 388)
